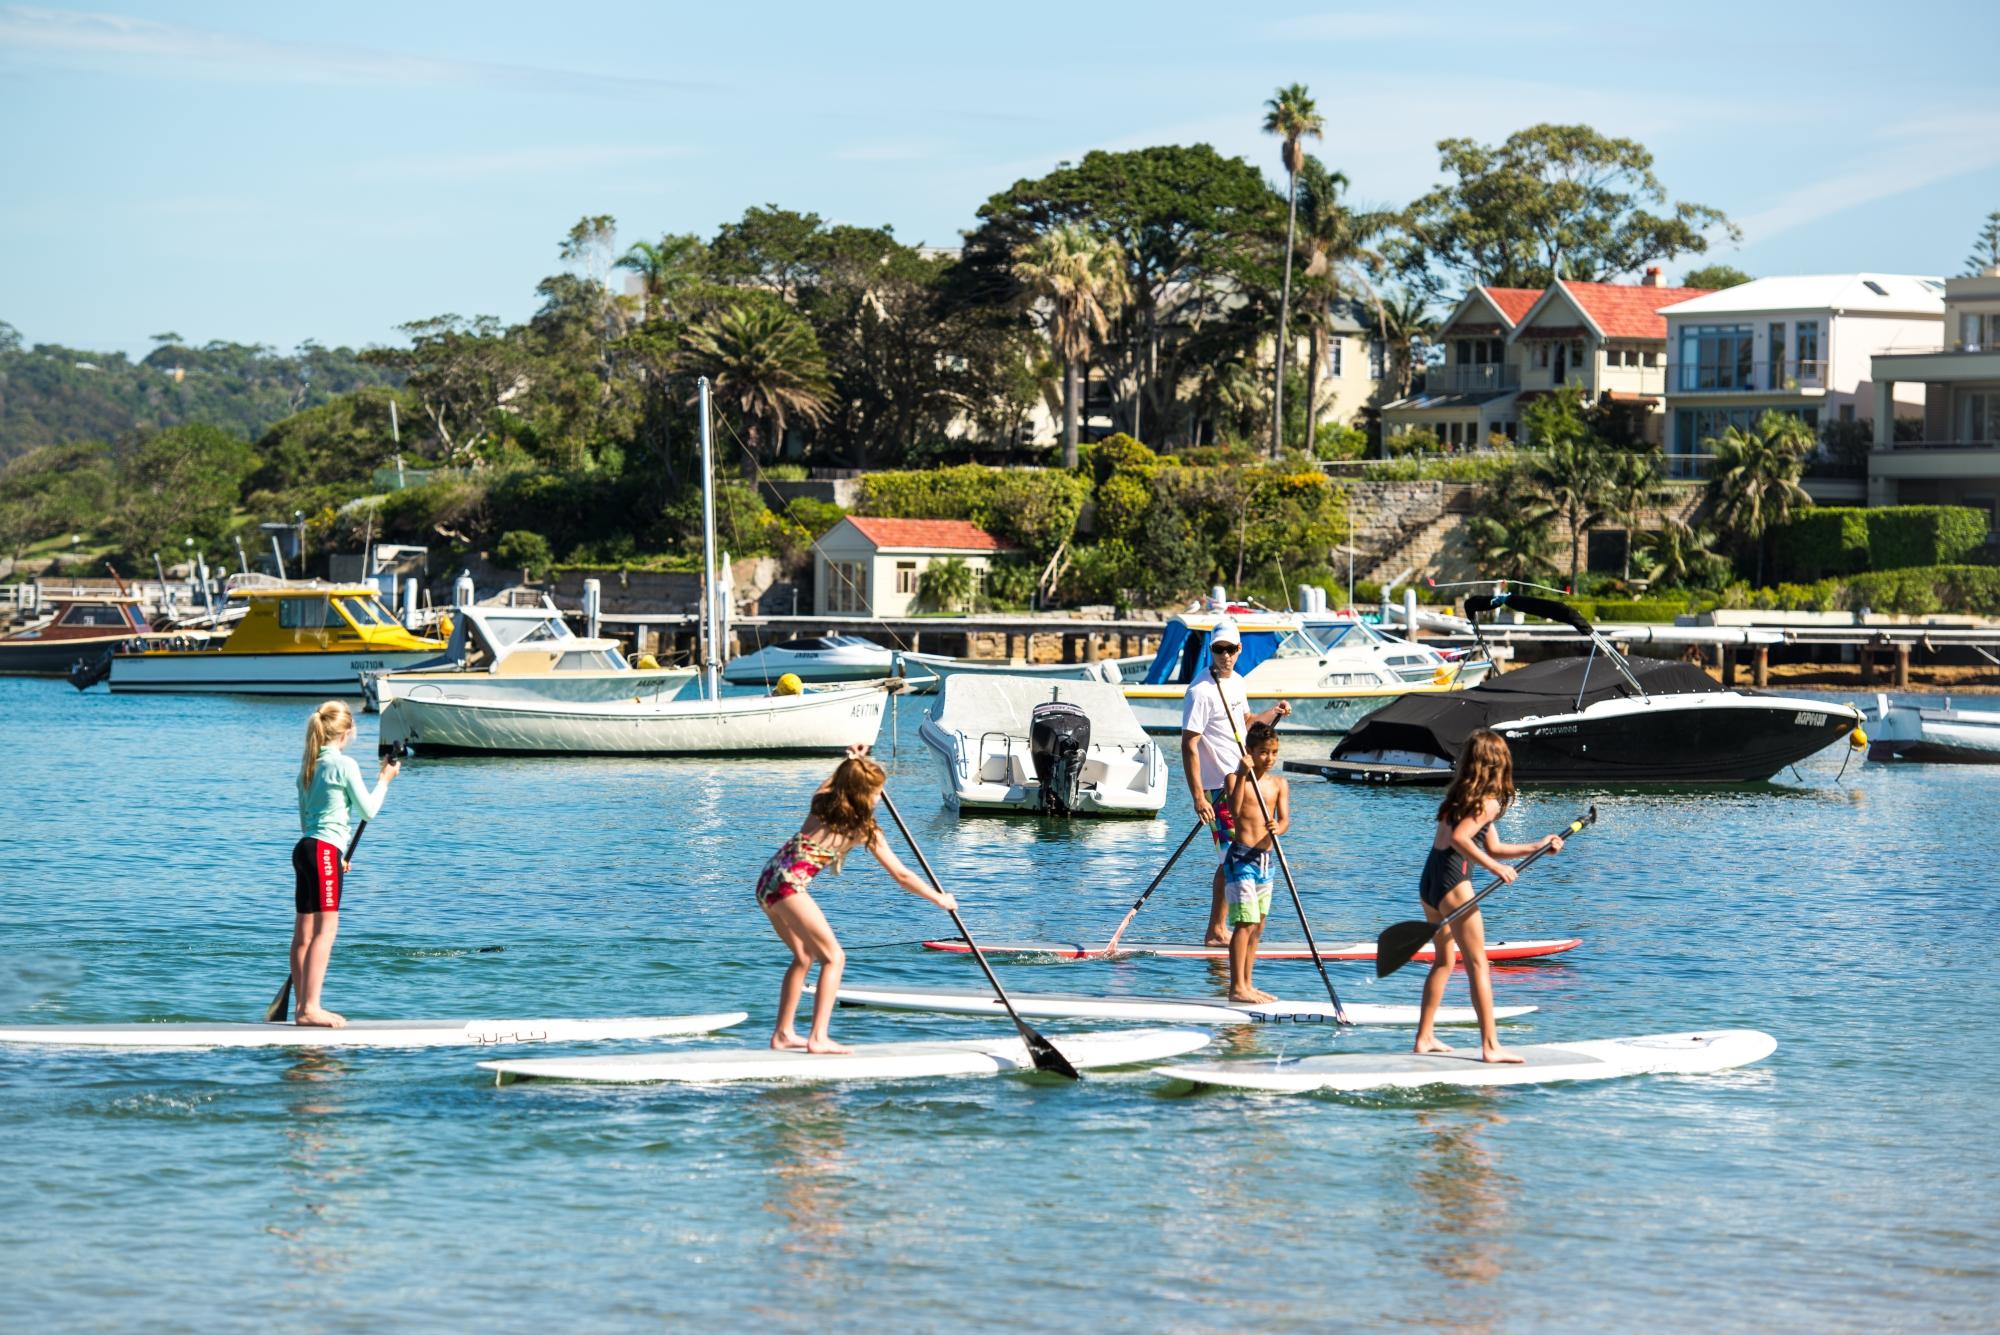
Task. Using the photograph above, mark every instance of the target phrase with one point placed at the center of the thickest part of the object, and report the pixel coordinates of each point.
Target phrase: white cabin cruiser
(1066, 748)
(924, 671)
(1410, 660)
(1329, 689)
(522, 655)
(815, 658)
(1923, 732)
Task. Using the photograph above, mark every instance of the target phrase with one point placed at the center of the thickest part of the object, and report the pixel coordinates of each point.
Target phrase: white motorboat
(524, 655)
(1053, 748)
(1921, 732)
(817, 658)
(827, 721)
(1329, 689)
(924, 671)
(1414, 662)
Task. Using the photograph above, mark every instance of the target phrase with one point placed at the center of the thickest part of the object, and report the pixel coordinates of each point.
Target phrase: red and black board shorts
(315, 876)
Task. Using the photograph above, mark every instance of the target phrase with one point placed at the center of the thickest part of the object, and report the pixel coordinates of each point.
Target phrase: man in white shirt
(1209, 751)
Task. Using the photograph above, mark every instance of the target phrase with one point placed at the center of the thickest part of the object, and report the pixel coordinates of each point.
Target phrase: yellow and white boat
(1330, 688)
(298, 638)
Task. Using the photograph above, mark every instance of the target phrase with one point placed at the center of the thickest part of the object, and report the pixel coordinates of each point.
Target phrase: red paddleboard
(1270, 950)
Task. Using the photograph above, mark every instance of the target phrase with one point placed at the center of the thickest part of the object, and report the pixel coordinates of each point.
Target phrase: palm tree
(1632, 488)
(1572, 472)
(1510, 532)
(766, 361)
(1753, 481)
(1078, 280)
(1677, 554)
(945, 585)
(666, 269)
(1407, 323)
(1290, 115)
(1334, 240)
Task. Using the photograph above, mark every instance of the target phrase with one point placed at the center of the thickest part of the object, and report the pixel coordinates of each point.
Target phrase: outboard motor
(1058, 742)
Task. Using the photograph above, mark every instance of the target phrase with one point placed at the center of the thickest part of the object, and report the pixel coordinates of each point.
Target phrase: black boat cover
(1438, 725)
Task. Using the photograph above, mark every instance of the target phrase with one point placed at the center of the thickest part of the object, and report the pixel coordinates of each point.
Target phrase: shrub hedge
(1033, 508)
(1835, 540)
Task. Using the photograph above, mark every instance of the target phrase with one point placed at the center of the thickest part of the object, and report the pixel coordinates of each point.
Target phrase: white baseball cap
(1225, 632)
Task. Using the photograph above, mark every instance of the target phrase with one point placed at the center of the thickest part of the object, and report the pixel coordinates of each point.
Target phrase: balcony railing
(1471, 378)
(1745, 377)
(1945, 445)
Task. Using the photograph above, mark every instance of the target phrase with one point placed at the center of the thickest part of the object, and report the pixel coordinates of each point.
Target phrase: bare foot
(320, 1018)
(826, 1047)
(1213, 940)
(782, 1042)
(1248, 998)
(1499, 1055)
(1434, 1046)
(1262, 995)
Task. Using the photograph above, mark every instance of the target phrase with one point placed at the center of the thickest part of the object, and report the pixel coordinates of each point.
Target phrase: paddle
(1399, 942)
(280, 1008)
(1284, 865)
(1111, 948)
(1043, 1052)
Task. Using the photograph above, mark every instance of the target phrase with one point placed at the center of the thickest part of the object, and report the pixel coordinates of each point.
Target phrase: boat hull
(220, 672)
(53, 657)
(817, 722)
(924, 671)
(765, 667)
(1324, 712)
(637, 684)
(1939, 736)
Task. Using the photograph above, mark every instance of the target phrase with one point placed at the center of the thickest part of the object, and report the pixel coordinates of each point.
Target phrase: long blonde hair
(847, 804)
(1485, 769)
(329, 721)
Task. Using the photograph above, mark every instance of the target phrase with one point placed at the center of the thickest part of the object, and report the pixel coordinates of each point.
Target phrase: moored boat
(295, 638)
(1938, 734)
(816, 658)
(526, 655)
(915, 668)
(1596, 719)
(1012, 744)
(81, 627)
(1329, 689)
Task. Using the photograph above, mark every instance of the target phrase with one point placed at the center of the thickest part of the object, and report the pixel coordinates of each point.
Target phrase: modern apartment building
(1507, 346)
(1955, 459)
(1799, 345)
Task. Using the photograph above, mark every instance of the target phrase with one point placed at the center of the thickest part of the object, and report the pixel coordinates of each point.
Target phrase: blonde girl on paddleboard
(1480, 791)
(331, 791)
(842, 819)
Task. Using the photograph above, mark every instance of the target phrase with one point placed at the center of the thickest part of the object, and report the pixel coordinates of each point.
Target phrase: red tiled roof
(948, 534)
(1513, 302)
(1628, 310)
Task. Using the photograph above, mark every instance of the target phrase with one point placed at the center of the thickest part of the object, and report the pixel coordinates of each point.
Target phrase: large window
(1810, 368)
(846, 586)
(906, 577)
(1714, 356)
(303, 613)
(1776, 344)
(1982, 417)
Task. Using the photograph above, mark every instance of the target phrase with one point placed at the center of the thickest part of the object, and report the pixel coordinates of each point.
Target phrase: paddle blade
(1399, 943)
(1045, 1056)
(280, 1008)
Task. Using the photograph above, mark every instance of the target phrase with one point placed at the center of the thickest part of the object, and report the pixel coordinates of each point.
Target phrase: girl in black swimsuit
(1480, 791)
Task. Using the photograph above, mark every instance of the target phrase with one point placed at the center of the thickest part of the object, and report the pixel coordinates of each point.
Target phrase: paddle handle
(1573, 829)
(355, 842)
(1278, 846)
(1132, 913)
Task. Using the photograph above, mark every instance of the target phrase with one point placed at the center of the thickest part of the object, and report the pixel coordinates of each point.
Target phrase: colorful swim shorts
(1225, 823)
(1246, 884)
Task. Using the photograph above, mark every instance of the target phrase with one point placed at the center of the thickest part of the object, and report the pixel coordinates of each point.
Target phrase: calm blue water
(1847, 1183)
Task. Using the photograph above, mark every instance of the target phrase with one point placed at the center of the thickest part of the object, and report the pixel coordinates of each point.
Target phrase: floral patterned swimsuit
(792, 867)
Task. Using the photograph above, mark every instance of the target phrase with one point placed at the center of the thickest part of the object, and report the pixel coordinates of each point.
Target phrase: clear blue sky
(272, 173)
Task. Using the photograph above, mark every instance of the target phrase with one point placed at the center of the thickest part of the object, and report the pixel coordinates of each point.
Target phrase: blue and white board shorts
(1246, 884)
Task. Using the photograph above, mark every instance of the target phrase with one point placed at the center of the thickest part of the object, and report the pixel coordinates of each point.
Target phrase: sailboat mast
(710, 652)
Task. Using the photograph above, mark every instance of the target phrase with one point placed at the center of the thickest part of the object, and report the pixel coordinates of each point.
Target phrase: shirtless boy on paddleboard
(1260, 807)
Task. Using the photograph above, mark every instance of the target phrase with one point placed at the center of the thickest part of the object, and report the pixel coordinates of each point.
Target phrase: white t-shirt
(1202, 713)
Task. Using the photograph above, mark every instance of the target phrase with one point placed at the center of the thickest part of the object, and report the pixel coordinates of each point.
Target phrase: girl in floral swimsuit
(842, 819)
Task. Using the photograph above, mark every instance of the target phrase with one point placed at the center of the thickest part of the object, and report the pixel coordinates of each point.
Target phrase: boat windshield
(506, 632)
(94, 614)
(367, 611)
(1296, 644)
(588, 660)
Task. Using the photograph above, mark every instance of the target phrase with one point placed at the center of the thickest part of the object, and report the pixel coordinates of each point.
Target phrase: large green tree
(1552, 201)
(1188, 221)
(1076, 280)
(763, 361)
(1408, 323)
(1714, 277)
(669, 270)
(1293, 117)
(181, 483)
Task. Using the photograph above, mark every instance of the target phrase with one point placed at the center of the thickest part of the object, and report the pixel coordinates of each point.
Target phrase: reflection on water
(1464, 1194)
(801, 1134)
(320, 1157)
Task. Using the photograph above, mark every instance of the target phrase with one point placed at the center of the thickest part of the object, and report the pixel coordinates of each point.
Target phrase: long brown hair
(329, 721)
(1485, 769)
(847, 804)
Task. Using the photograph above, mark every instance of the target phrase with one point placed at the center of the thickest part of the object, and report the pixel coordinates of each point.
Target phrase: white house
(1797, 345)
(871, 567)
(1955, 458)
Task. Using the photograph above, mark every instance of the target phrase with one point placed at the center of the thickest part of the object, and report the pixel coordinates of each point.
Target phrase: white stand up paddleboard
(1270, 950)
(366, 1033)
(868, 1061)
(1198, 1010)
(1544, 1063)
